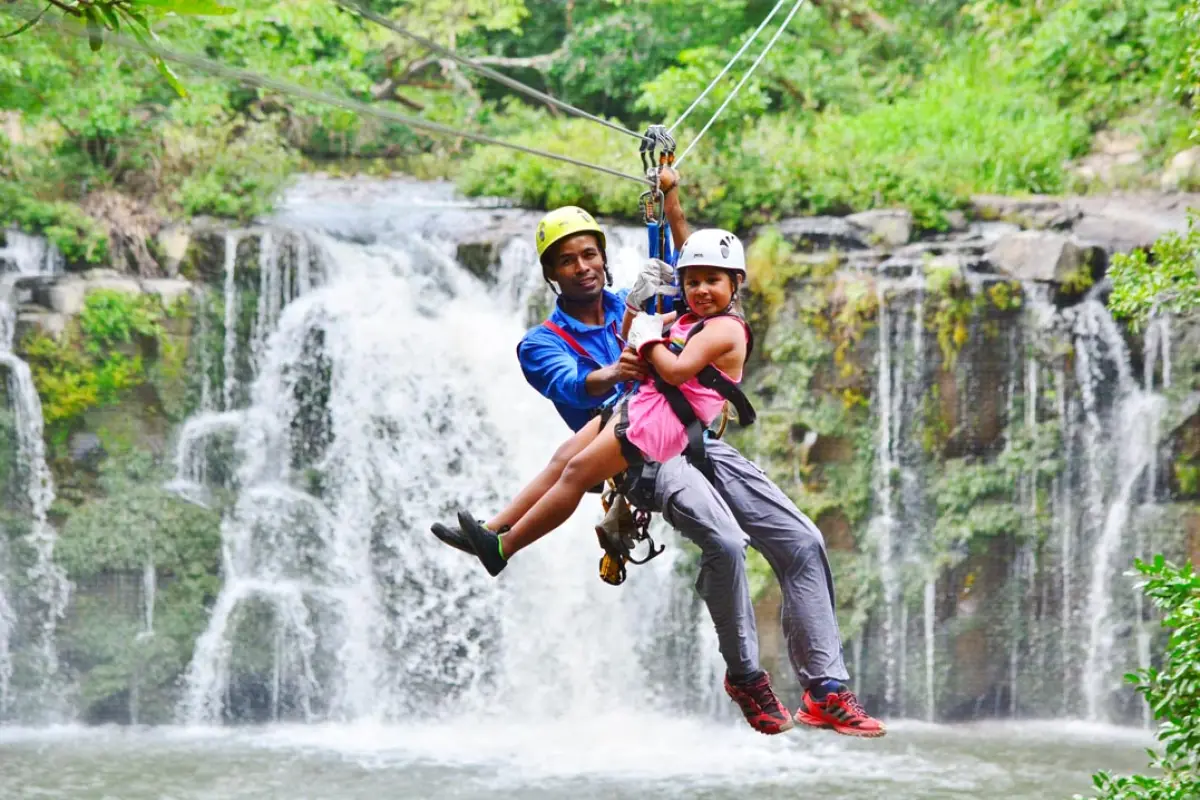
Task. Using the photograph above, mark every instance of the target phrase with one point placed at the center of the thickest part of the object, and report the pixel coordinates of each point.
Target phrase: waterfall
(29, 257)
(1063, 526)
(1118, 454)
(229, 361)
(336, 599)
(930, 645)
(1157, 350)
(883, 523)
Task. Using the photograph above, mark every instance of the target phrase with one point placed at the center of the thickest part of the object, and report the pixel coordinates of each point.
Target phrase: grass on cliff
(970, 127)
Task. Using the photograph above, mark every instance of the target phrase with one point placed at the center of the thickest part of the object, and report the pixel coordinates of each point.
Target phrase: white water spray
(23, 257)
(362, 613)
(1116, 465)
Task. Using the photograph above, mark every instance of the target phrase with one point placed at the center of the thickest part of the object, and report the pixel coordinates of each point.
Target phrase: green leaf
(111, 17)
(165, 70)
(95, 32)
(190, 7)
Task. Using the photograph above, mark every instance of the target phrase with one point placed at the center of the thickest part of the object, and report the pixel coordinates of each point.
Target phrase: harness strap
(572, 342)
(712, 378)
(695, 452)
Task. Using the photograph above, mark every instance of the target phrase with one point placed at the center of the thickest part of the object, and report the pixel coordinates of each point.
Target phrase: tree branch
(387, 90)
(541, 62)
(864, 18)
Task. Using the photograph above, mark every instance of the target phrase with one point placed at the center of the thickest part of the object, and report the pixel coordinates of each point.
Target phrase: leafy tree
(101, 15)
(1173, 691)
(1189, 77)
(1166, 281)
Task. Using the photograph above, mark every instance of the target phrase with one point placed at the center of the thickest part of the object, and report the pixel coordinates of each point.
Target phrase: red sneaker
(762, 708)
(841, 712)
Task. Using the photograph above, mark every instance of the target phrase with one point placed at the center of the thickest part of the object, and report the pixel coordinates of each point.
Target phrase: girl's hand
(647, 328)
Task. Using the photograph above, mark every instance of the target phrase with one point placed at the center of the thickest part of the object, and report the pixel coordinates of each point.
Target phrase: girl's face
(708, 290)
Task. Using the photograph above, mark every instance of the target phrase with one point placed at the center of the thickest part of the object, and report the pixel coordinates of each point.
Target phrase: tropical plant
(1173, 691)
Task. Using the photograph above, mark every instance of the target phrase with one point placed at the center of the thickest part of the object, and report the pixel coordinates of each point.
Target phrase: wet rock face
(478, 246)
(965, 407)
(1048, 257)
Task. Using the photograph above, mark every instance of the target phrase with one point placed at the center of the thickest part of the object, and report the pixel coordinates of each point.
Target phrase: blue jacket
(554, 368)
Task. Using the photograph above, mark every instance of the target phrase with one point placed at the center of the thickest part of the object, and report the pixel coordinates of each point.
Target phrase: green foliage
(977, 500)
(1173, 691)
(110, 319)
(137, 521)
(1099, 56)
(77, 236)
(94, 364)
(108, 542)
(1166, 281)
(101, 15)
(231, 170)
(1189, 73)
(969, 128)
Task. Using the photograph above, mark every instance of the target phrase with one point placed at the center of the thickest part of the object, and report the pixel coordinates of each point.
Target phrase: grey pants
(746, 508)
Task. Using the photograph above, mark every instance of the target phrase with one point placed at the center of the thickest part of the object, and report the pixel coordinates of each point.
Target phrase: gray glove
(655, 278)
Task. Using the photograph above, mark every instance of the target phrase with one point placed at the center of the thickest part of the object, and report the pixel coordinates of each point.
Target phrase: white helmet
(712, 247)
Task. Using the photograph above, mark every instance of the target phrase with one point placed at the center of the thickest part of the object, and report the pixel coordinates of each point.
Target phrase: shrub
(1165, 281)
(1173, 691)
(971, 126)
(94, 365)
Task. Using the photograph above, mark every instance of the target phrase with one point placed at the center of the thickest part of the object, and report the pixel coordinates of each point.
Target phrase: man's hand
(626, 368)
(655, 278)
(629, 366)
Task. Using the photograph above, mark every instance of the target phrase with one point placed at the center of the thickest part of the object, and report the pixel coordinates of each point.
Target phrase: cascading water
(1122, 450)
(47, 587)
(883, 524)
(899, 525)
(337, 601)
(1080, 448)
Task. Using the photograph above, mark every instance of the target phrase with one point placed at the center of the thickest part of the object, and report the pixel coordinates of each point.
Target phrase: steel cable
(732, 61)
(742, 82)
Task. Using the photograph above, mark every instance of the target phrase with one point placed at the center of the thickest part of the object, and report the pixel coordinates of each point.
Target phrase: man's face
(577, 266)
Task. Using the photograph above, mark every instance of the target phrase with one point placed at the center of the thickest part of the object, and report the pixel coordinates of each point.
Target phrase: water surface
(617, 757)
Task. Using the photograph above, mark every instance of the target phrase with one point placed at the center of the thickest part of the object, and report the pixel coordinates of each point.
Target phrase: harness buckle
(622, 530)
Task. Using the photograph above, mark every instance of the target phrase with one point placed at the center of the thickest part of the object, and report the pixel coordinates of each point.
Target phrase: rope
(512, 83)
(254, 79)
(742, 82)
(732, 61)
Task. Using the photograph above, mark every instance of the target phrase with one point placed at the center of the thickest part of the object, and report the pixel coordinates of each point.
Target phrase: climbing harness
(623, 529)
(712, 378)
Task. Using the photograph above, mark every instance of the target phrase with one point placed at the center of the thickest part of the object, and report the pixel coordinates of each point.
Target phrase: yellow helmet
(563, 222)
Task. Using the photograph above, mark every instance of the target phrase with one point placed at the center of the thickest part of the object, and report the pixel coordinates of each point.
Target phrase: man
(578, 361)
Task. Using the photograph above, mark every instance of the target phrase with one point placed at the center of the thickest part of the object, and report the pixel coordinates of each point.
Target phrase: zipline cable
(742, 82)
(732, 61)
(500, 77)
(254, 79)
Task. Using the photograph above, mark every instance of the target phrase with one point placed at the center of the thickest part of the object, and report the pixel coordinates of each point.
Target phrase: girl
(710, 269)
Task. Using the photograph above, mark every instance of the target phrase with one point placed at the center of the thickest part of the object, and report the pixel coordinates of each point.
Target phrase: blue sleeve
(555, 372)
(623, 295)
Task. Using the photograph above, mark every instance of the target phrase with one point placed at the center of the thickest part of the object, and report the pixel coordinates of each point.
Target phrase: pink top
(653, 427)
